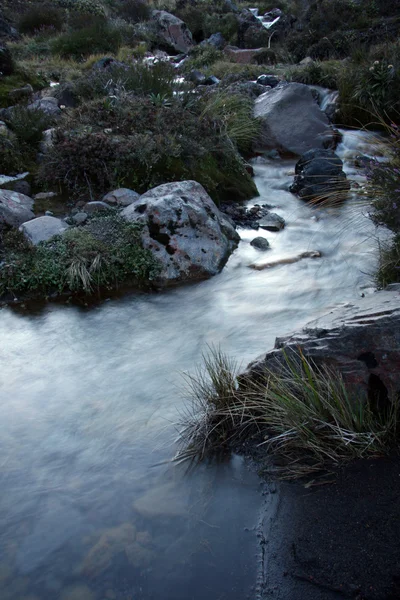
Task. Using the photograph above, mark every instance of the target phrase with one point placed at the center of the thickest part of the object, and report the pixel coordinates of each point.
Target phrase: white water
(88, 398)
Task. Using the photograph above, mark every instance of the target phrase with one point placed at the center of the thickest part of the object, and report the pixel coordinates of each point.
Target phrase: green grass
(303, 413)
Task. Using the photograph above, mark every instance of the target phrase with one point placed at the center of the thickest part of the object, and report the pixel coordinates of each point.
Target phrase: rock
(9, 182)
(196, 77)
(107, 62)
(15, 208)
(361, 339)
(246, 217)
(241, 56)
(306, 61)
(174, 31)
(291, 121)
(21, 186)
(48, 139)
(272, 222)
(95, 207)
(120, 197)
(4, 131)
(80, 218)
(184, 230)
(320, 176)
(211, 80)
(6, 61)
(21, 93)
(217, 40)
(251, 33)
(45, 196)
(78, 591)
(111, 543)
(162, 501)
(260, 243)
(42, 229)
(231, 6)
(48, 105)
(271, 80)
(66, 95)
(249, 88)
(6, 31)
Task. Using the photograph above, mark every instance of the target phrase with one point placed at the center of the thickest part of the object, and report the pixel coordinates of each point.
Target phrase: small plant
(41, 17)
(373, 88)
(302, 411)
(134, 11)
(100, 37)
(28, 124)
(92, 7)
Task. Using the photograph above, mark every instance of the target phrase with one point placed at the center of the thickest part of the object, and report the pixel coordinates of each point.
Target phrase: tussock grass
(303, 414)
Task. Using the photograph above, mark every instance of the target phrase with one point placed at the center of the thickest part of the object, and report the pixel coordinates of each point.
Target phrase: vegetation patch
(103, 254)
(302, 413)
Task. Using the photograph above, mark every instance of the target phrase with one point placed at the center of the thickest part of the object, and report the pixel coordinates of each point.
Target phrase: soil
(334, 537)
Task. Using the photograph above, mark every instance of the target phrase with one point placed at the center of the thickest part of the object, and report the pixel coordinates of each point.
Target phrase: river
(91, 508)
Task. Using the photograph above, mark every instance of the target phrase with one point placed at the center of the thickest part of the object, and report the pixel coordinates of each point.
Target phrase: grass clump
(325, 74)
(99, 37)
(303, 413)
(103, 254)
(40, 18)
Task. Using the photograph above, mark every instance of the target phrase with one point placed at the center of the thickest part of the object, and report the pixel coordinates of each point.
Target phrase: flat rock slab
(360, 339)
(15, 208)
(291, 121)
(43, 229)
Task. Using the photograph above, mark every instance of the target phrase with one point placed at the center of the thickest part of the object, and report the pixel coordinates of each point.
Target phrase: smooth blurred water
(91, 508)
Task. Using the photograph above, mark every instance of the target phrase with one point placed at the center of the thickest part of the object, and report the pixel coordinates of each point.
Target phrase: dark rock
(319, 175)
(22, 187)
(196, 77)
(272, 222)
(248, 218)
(107, 62)
(211, 80)
(217, 40)
(361, 340)
(271, 80)
(95, 207)
(66, 95)
(260, 243)
(184, 230)
(6, 31)
(231, 6)
(291, 121)
(6, 61)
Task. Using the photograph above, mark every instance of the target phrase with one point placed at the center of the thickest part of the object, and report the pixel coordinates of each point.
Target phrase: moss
(103, 254)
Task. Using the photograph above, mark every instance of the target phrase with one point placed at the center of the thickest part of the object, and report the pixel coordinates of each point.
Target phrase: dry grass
(303, 414)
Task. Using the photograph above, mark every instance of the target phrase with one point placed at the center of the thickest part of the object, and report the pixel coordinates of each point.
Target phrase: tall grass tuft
(302, 413)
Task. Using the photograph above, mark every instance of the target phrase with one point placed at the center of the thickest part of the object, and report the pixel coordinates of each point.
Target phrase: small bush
(28, 125)
(134, 11)
(389, 263)
(11, 159)
(92, 7)
(203, 56)
(41, 17)
(325, 74)
(226, 24)
(103, 254)
(99, 37)
(7, 66)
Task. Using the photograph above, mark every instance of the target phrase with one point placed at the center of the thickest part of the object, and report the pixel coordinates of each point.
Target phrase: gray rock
(8, 182)
(361, 339)
(80, 218)
(260, 243)
(120, 197)
(249, 88)
(15, 208)
(42, 229)
(184, 230)
(291, 121)
(319, 175)
(174, 31)
(45, 195)
(94, 207)
(217, 40)
(306, 61)
(196, 77)
(4, 131)
(48, 138)
(272, 222)
(48, 105)
(211, 80)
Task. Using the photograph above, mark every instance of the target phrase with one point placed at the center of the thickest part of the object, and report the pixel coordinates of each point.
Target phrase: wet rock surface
(320, 175)
(291, 121)
(255, 217)
(184, 230)
(15, 208)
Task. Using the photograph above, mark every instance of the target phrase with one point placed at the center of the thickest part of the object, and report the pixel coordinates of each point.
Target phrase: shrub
(194, 17)
(99, 37)
(389, 263)
(7, 66)
(302, 412)
(134, 11)
(11, 159)
(151, 143)
(28, 124)
(266, 56)
(325, 74)
(92, 7)
(226, 24)
(41, 17)
(104, 253)
(203, 56)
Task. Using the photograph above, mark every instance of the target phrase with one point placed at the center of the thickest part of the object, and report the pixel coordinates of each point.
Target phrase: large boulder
(173, 31)
(43, 229)
(319, 176)
(48, 105)
(184, 230)
(360, 339)
(120, 197)
(15, 208)
(291, 121)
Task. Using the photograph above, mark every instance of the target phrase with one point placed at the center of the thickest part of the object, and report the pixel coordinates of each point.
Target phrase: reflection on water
(90, 507)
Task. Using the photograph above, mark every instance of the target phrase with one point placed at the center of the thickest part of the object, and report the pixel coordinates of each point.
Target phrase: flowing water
(90, 506)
